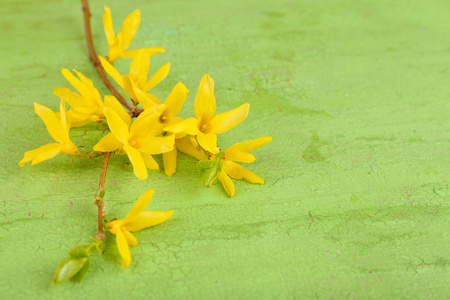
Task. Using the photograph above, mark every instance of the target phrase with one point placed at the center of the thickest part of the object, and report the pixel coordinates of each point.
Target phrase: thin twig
(99, 201)
(96, 61)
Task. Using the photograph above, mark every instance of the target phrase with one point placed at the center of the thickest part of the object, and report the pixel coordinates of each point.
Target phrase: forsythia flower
(139, 140)
(118, 44)
(58, 129)
(168, 111)
(135, 220)
(239, 152)
(206, 125)
(84, 108)
(137, 78)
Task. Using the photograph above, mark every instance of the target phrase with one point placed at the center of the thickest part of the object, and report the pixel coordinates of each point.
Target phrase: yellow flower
(239, 152)
(85, 107)
(137, 78)
(206, 125)
(168, 111)
(135, 220)
(59, 131)
(118, 44)
(138, 140)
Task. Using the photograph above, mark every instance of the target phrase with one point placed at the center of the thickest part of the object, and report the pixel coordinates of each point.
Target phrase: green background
(355, 205)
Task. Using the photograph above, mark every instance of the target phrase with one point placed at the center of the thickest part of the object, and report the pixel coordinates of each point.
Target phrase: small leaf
(210, 176)
(80, 275)
(67, 269)
(78, 251)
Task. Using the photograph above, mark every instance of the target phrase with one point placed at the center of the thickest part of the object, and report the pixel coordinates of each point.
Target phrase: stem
(99, 201)
(96, 61)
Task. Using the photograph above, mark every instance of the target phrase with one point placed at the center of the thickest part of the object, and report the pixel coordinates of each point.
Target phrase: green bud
(78, 251)
(204, 165)
(80, 275)
(68, 268)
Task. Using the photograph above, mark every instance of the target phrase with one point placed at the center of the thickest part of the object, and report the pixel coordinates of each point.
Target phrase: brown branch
(99, 201)
(96, 61)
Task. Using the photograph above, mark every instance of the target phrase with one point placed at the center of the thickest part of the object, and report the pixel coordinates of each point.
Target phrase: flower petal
(131, 239)
(129, 86)
(117, 125)
(228, 185)
(238, 172)
(157, 77)
(188, 126)
(148, 218)
(227, 120)
(108, 26)
(147, 125)
(108, 143)
(156, 145)
(176, 98)
(50, 120)
(251, 144)
(40, 154)
(139, 206)
(139, 68)
(124, 250)
(129, 27)
(150, 50)
(70, 97)
(205, 103)
(149, 161)
(112, 102)
(111, 71)
(139, 168)
(208, 142)
(170, 162)
(185, 146)
(147, 100)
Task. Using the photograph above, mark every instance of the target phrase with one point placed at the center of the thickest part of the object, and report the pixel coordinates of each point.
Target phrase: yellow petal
(114, 226)
(149, 161)
(139, 206)
(170, 162)
(51, 121)
(188, 126)
(129, 27)
(147, 125)
(93, 93)
(157, 77)
(70, 97)
(40, 154)
(108, 26)
(129, 86)
(139, 68)
(238, 172)
(117, 125)
(205, 103)
(148, 218)
(131, 239)
(251, 144)
(108, 143)
(156, 145)
(112, 102)
(227, 120)
(236, 155)
(208, 142)
(228, 185)
(124, 250)
(151, 51)
(139, 168)
(147, 100)
(111, 71)
(176, 98)
(185, 146)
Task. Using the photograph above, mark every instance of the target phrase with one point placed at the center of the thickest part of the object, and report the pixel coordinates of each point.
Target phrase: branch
(99, 201)
(96, 61)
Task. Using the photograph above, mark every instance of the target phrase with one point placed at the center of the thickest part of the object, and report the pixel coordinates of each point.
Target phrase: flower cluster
(152, 128)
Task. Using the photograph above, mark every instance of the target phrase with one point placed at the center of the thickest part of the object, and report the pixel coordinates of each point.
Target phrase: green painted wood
(355, 205)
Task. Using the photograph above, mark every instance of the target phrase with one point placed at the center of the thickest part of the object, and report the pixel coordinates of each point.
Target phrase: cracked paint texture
(355, 205)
